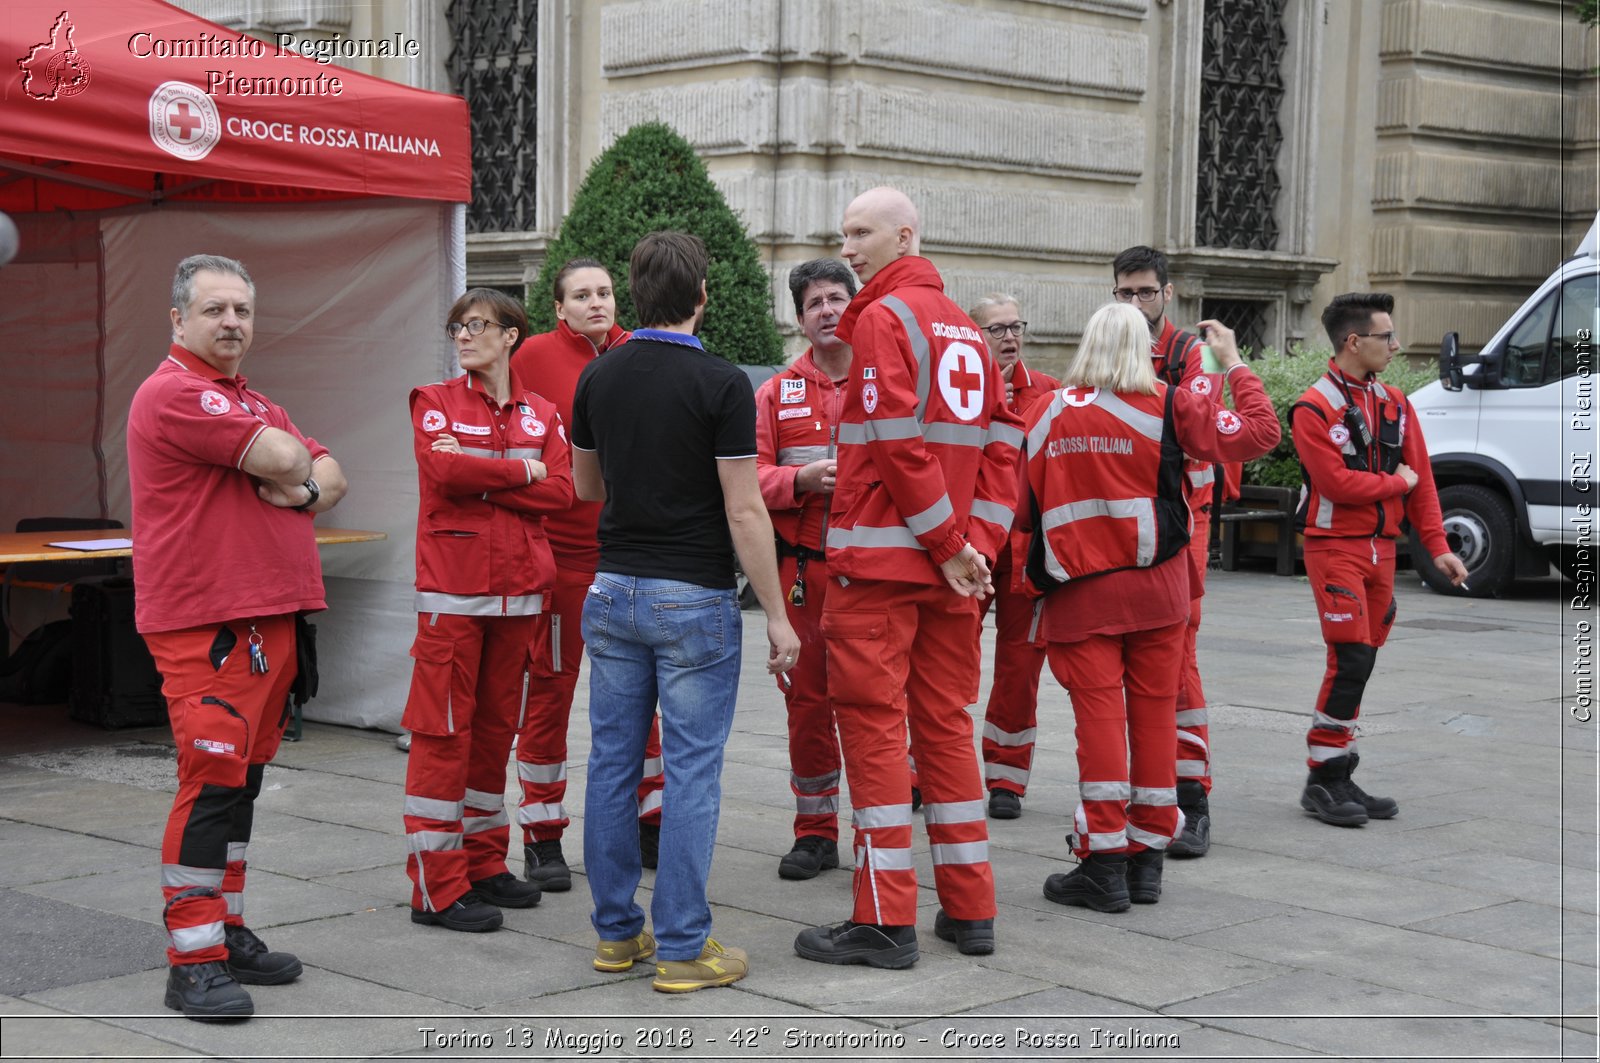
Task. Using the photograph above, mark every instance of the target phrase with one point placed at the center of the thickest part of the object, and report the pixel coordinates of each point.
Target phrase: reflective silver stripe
(1000, 432)
(930, 518)
(1191, 769)
(1189, 738)
(432, 841)
(874, 817)
(1316, 753)
(1025, 737)
(1141, 510)
(179, 876)
(541, 773)
(534, 453)
(801, 455)
(888, 429)
(651, 802)
(1103, 791)
(433, 808)
(522, 705)
(651, 766)
(817, 806)
(872, 538)
(529, 814)
(1322, 719)
(956, 435)
(479, 824)
(1147, 839)
(1154, 795)
(1146, 424)
(814, 784)
(1324, 512)
(919, 347)
(1201, 478)
(236, 851)
(483, 800)
(1041, 429)
(555, 643)
(883, 859)
(993, 772)
(993, 512)
(1101, 842)
(960, 852)
(1193, 718)
(1330, 391)
(947, 812)
(480, 604)
(195, 938)
(235, 903)
(480, 452)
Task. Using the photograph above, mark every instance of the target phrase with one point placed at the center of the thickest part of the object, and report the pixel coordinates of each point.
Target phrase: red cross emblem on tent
(182, 120)
(1076, 396)
(215, 403)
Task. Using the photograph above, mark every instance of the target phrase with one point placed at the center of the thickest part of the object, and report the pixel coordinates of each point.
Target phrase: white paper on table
(95, 544)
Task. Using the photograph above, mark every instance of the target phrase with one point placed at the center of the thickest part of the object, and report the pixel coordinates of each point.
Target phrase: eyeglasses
(998, 331)
(1128, 295)
(474, 327)
(1387, 337)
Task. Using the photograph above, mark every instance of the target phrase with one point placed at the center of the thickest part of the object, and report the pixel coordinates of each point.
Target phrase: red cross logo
(961, 382)
(184, 122)
(214, 403)
(964, 380)
(1076, 396)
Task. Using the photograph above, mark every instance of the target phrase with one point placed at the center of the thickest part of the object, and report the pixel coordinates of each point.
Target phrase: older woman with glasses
(491, 461)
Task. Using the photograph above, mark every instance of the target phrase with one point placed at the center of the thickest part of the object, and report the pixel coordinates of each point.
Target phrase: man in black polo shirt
(664, 434)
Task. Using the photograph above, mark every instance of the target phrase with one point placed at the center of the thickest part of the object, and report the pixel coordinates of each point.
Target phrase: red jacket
(1106, 471)
(927, 449)
(1028, 386)
(1179, 365)
(1340, 498)
(481, 548)
(797, 422)
(548, 364)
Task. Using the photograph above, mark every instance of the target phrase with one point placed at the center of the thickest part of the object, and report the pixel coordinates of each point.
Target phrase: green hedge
(1286, 377)
(649, 180)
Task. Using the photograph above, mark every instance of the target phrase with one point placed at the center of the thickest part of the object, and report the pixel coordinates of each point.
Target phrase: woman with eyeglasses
(492, 460)
(1104, 465)
(550, 363)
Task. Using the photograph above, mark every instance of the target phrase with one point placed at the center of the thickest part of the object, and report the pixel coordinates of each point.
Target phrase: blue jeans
(679, 642)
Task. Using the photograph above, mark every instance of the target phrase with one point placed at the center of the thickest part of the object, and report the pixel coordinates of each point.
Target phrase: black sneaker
(916, 798)
(973, 937)
(1003, 804)
(545, 866)
(251, 964)
(206, 992)
(811, 854)
(506, 890)
(649, 844)
(1144, 876)
(1099, 883)
(1331, 801)
(469, 913)
(891, 947)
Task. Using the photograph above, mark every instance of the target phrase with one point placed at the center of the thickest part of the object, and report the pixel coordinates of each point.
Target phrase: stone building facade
(1280, 150)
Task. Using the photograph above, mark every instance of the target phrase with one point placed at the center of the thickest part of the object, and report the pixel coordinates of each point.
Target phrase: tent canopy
(115, 102)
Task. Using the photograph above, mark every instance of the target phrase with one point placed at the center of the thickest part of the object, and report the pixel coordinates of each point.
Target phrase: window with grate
(492, 64)
(1241, 90)
(1247, 318)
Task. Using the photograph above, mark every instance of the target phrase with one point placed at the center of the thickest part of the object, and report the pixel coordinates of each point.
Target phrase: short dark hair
(574, 265)
(1139, 258)
(818, 269)
(664, 274)
(1352, 312)
(506, 310)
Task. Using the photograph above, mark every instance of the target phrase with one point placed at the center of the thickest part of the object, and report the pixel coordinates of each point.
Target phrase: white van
(1512, 437)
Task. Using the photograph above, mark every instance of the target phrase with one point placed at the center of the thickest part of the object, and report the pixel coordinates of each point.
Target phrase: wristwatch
(316, 493)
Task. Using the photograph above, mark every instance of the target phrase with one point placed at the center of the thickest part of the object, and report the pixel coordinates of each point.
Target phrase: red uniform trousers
(813, 742)
(227, 723)
(1355, 602)
(469, 688)
(1010, 722)
(1194, 731)
(542, 737)
(1123, 688)
(872, 629)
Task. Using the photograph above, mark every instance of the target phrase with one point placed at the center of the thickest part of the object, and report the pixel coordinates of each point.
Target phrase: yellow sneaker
(619, 955)
(716, 966)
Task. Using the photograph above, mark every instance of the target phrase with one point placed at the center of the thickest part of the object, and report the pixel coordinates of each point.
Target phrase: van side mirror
(1489, 362)
(1450, 361)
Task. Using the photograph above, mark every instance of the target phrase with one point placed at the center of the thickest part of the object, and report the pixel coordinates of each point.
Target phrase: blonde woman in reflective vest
(1105, 463)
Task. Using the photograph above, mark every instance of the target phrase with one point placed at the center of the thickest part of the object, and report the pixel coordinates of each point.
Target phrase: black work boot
(468, 912)
(1144, 876)
(1328, 796)
(649, 844)
(1004, 804)
(811, 854)
(206, 992)
(1195, 840)
(972, 937)
(545, 865)
(892, 947)
(1100, 883)
(251, 963)
(1377, 807)
(506, 890)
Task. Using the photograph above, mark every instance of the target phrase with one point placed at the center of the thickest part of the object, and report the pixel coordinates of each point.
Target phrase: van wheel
(1477, 521)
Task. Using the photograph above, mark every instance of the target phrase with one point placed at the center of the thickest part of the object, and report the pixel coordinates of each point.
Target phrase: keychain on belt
(258, 655)
(797, 593)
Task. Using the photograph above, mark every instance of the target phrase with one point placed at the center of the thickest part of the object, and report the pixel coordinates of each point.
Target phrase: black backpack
(40, 671)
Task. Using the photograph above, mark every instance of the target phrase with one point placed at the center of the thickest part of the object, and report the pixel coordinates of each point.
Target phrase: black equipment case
(114, 678)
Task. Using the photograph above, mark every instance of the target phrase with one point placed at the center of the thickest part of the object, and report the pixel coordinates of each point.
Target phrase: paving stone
(1525, 927)
(1497, 876)
(50, 943)
(30, 854)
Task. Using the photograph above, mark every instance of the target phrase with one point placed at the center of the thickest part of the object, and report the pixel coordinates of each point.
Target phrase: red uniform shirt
(480, 539)
(797, 418)
(549, 364)
(1179, 365)
(206, 548)
(927, 448)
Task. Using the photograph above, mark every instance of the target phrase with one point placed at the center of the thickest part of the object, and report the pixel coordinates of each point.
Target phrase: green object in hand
(1208, 361)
